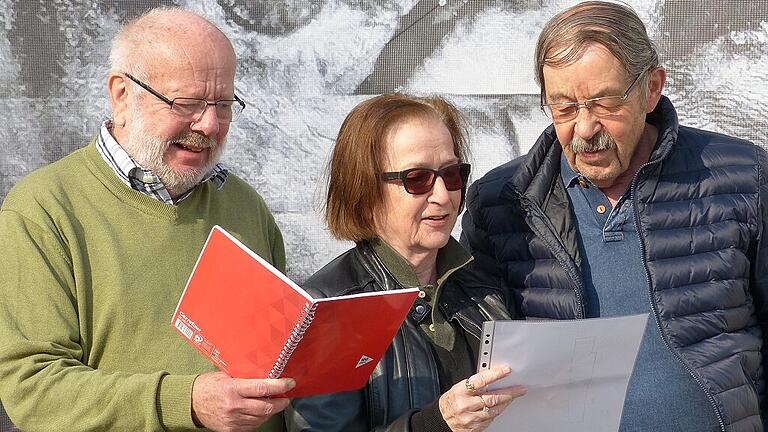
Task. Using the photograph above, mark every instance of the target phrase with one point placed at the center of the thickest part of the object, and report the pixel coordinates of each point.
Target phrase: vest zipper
(578, 288)
(654, 308)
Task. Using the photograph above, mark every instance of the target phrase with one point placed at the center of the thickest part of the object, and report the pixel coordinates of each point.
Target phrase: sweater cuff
(175, 402)
(429, 418)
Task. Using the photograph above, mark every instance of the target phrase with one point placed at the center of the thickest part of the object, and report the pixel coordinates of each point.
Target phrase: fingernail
(506, 369)
(291, 383)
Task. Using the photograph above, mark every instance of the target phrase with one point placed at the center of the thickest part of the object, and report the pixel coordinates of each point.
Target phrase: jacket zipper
(579, 288)
(654, 308)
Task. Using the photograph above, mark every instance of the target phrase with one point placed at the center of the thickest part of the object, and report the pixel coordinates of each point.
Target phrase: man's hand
(222, 403)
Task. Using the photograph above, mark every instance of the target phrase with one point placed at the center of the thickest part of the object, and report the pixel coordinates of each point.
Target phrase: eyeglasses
(192, 109)
(419, 181)
(599, 106)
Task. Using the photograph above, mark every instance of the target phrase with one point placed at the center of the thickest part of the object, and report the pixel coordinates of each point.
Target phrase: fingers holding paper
(468, 406)
(222, 403)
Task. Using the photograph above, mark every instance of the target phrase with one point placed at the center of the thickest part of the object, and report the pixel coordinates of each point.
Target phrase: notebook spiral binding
(305, 319)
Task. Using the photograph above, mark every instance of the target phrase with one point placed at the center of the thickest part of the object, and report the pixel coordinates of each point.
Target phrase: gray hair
(614, 26)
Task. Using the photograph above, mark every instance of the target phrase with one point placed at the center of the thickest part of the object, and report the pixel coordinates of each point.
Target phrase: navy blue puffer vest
(701, 213)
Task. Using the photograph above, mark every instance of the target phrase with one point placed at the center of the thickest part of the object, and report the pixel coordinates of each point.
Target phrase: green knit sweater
(90, 273)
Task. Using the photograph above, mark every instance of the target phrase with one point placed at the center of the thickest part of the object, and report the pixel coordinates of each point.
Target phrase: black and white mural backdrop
(303, 64)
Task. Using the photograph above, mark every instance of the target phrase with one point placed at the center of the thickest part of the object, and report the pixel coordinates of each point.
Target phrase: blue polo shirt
(662, 394)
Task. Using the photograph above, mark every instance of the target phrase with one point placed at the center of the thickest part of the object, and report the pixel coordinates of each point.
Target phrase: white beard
(148, 151)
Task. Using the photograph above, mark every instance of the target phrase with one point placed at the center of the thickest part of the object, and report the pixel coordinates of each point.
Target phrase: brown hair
(614, 26)
(354, 189)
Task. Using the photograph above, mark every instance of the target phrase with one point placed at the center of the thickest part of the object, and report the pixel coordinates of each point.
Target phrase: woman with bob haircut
(396, 185)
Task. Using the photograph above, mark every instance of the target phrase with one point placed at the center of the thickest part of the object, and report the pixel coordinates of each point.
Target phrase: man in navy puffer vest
(618, 210)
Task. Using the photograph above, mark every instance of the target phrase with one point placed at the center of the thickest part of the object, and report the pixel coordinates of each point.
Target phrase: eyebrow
(560, 97)
(442, 165)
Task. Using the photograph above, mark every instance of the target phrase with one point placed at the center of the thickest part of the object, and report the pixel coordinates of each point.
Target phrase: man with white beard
(98, 247)
(619, 210)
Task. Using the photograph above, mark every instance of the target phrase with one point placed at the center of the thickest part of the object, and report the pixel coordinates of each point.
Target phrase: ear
(656, 79)
(118, 98)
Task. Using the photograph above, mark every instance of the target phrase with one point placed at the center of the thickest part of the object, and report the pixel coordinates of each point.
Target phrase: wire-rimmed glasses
(192, 109)
(600, 106)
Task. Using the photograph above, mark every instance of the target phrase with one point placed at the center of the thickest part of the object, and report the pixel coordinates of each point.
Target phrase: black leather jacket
(406, 378)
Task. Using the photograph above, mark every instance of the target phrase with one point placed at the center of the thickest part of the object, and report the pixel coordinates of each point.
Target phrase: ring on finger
(469, 386)
(485, 406)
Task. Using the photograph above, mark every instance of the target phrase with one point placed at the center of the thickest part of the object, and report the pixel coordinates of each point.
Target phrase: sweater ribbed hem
(174, 403)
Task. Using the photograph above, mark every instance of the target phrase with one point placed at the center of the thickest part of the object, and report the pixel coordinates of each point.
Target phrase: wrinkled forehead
(593, 72)
(593, 62)
(564, 55)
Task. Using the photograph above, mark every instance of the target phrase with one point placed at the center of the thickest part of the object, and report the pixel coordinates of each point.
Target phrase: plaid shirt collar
(141, 179)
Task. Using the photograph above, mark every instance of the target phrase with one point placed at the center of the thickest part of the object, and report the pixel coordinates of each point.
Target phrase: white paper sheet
(576, 371)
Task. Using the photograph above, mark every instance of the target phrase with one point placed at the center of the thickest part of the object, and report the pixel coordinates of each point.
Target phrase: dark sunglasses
(419, 181)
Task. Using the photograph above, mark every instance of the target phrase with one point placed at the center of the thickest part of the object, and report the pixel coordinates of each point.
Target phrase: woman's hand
(467, 406)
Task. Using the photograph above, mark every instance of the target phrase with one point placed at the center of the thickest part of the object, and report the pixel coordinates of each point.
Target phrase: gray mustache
(601, 141)
(193, 139)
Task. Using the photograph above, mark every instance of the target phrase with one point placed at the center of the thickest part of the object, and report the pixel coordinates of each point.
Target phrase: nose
(208, 123)
(587, 125)
(440, 194)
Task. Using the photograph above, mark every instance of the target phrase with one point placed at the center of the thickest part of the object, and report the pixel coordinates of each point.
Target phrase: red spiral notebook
(251, 321)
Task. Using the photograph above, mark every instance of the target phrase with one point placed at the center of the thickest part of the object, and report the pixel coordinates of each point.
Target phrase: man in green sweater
(98, 247)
